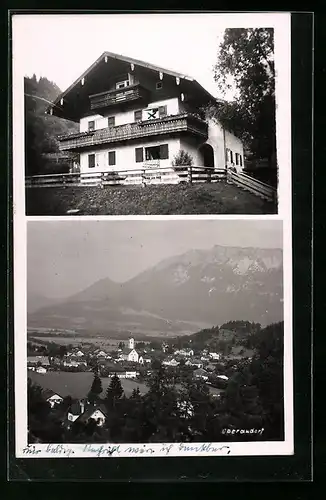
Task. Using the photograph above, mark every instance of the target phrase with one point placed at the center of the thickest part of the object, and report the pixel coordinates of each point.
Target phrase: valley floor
(181, 199)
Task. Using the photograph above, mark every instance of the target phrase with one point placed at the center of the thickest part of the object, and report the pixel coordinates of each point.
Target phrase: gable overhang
(71, 103)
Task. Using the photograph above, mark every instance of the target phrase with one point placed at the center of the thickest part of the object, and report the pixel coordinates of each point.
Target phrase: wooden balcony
(174, 124)
(117, 97)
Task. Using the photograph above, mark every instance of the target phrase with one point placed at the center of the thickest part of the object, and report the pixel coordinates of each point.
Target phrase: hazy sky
(64, 257)
(62, 47)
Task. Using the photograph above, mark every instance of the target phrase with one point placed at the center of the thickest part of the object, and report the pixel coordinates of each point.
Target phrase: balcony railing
(184, 123)
(119, 96)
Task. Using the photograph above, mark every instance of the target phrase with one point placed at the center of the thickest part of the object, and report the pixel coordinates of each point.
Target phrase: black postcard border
(216, 469)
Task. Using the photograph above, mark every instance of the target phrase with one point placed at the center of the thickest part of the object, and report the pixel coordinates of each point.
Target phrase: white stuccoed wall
(125, 155)
(216, 140)
(235, 145)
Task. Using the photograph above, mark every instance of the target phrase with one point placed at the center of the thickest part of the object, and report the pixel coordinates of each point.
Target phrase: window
(231, 156)
(91, 126)
(111, 121)
(139, 154)
(91, 161)
(236, 158)
(240, 156)
(138, 115)
(157, 152)
(112, 158)
(159, 85)
(122, 84)
(162, 111)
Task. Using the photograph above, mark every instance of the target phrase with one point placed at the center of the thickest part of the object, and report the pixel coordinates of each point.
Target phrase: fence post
(102, 180)
(190, 174)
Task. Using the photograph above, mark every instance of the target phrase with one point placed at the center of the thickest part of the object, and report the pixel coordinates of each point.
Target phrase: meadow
(77, 385)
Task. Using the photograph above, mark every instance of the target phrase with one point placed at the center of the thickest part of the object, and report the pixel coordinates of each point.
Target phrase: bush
(182, 159)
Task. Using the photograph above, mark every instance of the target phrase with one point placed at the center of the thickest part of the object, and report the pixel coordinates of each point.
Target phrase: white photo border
(282, 34)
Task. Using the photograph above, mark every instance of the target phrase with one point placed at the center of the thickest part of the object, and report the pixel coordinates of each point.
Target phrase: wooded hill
(42, 129)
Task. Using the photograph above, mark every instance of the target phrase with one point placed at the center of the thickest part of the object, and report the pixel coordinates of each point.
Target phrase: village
(138, 362)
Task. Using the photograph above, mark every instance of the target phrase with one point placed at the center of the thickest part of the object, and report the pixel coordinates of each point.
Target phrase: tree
(246, 57)
(121, 345)
(114, 392)
(96, 388)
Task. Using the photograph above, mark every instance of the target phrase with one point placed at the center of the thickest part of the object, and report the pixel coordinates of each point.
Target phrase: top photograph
(129, 136)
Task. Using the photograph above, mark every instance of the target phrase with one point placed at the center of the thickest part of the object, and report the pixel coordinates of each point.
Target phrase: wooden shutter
(111, 121)
(111, 157)
(139, 153)
(162, 111)
(91, 161)
(138, 115)
(164, 151)
(240, 160)
(231, 156)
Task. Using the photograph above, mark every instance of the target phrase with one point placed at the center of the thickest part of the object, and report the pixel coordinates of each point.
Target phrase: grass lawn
(179, 199)
(77, 385)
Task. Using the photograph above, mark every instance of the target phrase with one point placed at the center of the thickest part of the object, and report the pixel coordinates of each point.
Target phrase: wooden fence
(142, 176)
(155, 175)
(250, 184)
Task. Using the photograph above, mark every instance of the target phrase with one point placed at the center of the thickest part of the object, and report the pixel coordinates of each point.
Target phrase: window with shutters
(91, 126)
(91, 161)
(138, 115)
(139, 155)
(112, 160)
(162, 111)
(111, 121)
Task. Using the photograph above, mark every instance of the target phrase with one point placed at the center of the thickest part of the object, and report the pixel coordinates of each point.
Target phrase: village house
(83, 412)
(170, 362)
(184, 352)
(214, 355)
(40, 369)
(34, 361)
(201, 374)
(52, 397)
(196, 363)
(97, 413)
(136, 116)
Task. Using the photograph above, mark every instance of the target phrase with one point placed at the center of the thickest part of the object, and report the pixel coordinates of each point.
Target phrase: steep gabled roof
(136, 62)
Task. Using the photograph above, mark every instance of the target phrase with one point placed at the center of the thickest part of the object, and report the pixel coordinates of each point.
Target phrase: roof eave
(129, 60)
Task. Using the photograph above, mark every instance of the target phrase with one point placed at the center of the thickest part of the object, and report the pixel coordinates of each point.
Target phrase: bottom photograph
(154, 331)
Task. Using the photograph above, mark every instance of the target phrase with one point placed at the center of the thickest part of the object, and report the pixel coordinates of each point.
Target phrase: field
(180, 199)
(96, 341)
(77, 385)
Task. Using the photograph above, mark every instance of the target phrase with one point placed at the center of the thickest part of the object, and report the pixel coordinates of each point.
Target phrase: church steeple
(131, 343)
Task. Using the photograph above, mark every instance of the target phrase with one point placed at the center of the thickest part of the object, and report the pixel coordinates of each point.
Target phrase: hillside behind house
(42, 129)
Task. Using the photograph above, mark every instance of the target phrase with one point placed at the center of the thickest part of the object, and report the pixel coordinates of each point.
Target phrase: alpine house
(134, 115)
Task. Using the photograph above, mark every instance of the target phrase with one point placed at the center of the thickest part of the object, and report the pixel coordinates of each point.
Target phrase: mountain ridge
(226, 282)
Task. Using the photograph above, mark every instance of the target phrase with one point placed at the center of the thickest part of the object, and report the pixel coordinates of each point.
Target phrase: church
(134, 115)
(129, 354)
